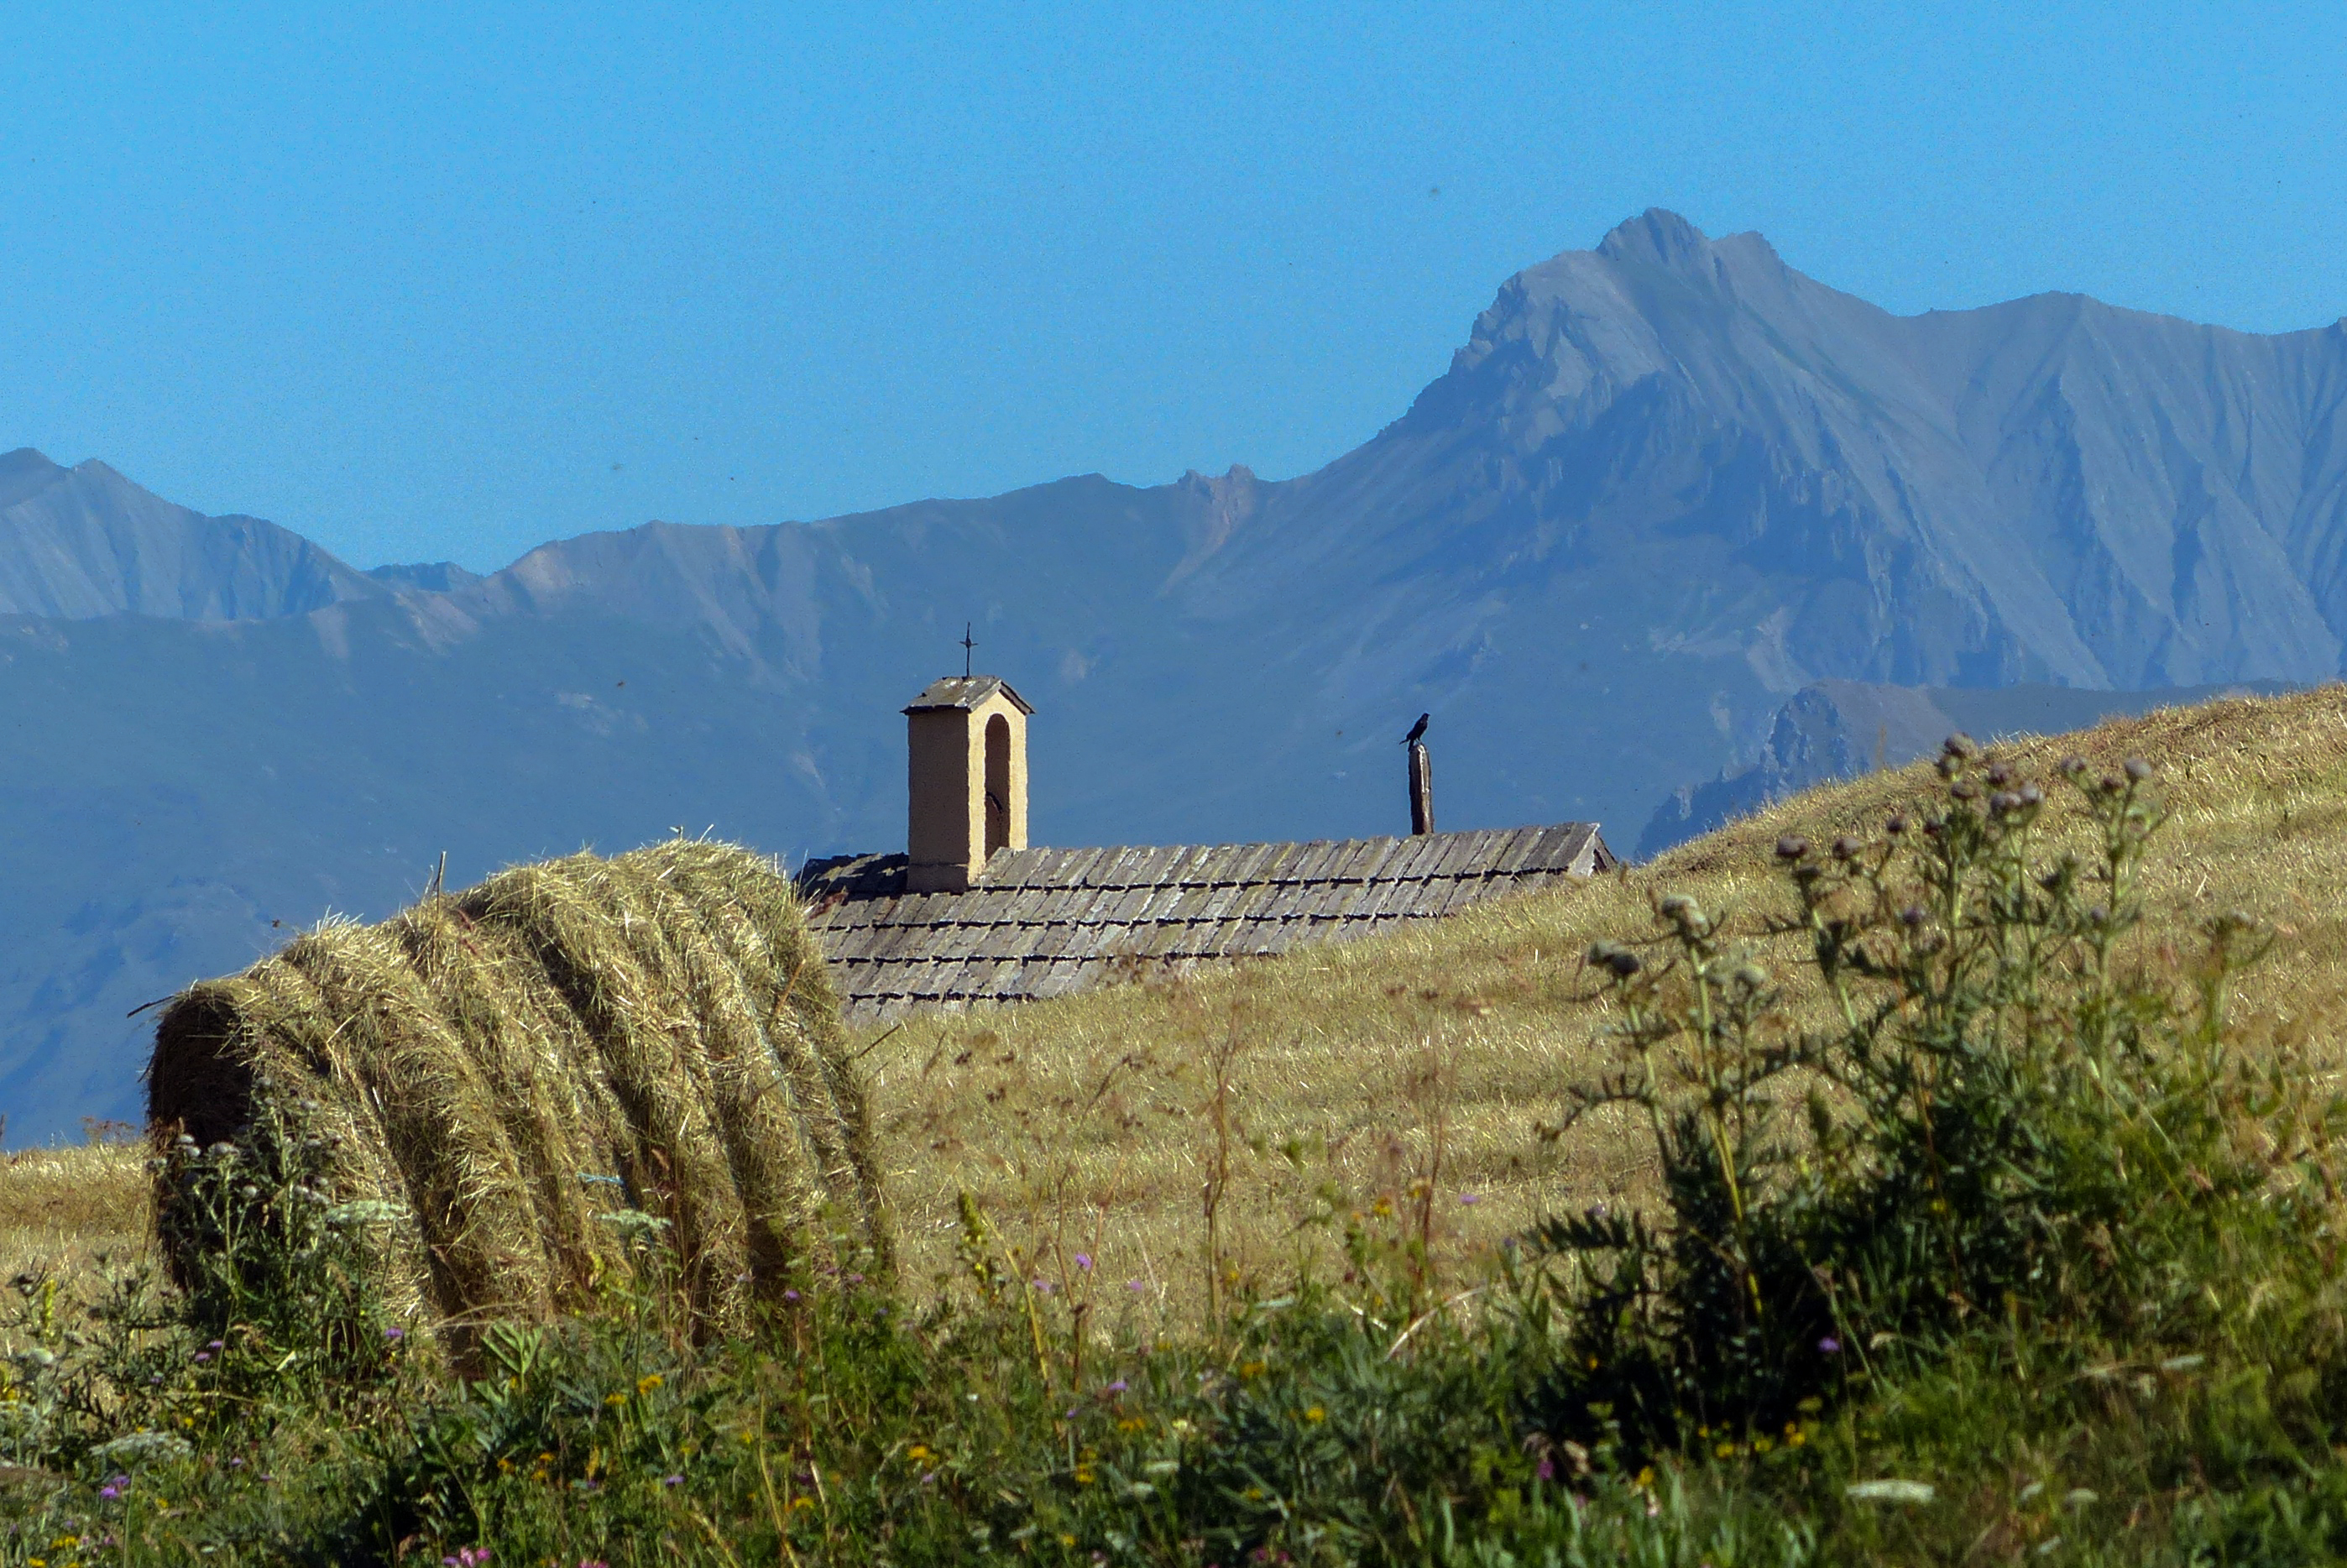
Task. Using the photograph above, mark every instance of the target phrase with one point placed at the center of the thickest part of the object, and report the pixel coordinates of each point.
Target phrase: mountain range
(1667, 489)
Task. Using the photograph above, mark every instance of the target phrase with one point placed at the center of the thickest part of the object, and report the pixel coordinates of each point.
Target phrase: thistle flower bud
(1683, 912)
(2004, 801)
(2071, 766)
(1958, 745)
(2137, 769)
(1618, 961)
(1792, 847)
(2000, 774)
(2032, 795)
(1897, 824)
(1964, 789)
(1846, 848)
(1913, 915)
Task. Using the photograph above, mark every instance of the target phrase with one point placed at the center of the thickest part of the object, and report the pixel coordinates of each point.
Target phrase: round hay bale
(515, 1067)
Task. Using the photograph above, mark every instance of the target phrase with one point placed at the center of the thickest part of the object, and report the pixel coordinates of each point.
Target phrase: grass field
(2061, 1283)
(1088, 1124)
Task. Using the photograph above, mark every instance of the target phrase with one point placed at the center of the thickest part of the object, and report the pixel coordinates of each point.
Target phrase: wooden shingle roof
(1044, 922)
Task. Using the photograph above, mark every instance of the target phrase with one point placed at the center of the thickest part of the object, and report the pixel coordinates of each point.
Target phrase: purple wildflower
(217, 1345)
(1547, 1470)
(1118, 1387)
(790, 1296)
(1084, 1261)
(110, 1492)
(1136, 1286)
(1830, 1346)
(671, 1481)
(203, 1356)
(1471, 1197)
(394, 1334)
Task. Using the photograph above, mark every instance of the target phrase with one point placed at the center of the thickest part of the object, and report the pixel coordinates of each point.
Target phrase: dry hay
(514, 1066)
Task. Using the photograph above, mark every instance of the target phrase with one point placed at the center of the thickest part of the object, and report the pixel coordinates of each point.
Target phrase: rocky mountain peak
(1658, 235)
(80, 543)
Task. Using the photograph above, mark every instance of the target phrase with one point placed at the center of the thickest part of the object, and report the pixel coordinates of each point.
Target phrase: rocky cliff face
(1666, 485)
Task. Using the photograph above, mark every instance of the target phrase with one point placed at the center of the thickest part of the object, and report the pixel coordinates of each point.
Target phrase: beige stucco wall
(945, 759)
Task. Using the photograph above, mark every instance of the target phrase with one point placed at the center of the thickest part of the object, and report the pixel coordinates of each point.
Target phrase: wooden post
(1421, 789)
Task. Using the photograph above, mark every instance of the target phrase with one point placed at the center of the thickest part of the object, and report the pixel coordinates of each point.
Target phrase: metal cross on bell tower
(967, 644)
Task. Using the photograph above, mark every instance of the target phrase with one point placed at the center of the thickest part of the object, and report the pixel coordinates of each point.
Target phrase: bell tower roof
(965, 692)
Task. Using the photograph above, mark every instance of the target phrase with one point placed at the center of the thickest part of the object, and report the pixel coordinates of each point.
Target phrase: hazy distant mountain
(83, 542)
(1666, 484)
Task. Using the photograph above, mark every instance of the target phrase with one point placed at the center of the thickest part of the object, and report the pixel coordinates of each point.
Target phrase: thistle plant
(279, 1279)
(2010, 1114)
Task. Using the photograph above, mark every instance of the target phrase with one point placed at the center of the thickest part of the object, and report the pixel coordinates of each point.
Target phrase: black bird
(1416, 730)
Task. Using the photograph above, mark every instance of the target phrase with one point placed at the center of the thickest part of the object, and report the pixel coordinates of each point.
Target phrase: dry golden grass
(1086, 1125)
(1083, 1124)
(62, 1211)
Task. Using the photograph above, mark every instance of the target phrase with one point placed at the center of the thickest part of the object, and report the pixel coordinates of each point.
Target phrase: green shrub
(2018, 1114)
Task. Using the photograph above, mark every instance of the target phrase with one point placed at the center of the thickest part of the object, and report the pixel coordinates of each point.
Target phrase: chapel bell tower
(968, 756)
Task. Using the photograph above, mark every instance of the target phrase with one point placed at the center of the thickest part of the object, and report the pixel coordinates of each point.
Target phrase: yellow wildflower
(648, 1381)
(1315, 1414)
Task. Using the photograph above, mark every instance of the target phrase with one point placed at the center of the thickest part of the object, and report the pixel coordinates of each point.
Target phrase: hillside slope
(1083, 1122)
(1084, 1114)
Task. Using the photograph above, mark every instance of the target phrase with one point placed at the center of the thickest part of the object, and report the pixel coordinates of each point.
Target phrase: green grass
(2006, 1231)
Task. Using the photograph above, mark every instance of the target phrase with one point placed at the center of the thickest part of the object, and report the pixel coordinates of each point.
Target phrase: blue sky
(445, 284)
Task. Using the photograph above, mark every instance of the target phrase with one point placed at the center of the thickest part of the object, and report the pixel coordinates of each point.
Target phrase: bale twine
(515, 1068)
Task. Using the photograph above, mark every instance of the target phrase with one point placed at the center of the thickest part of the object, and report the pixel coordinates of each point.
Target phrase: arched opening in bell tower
(997, 785)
